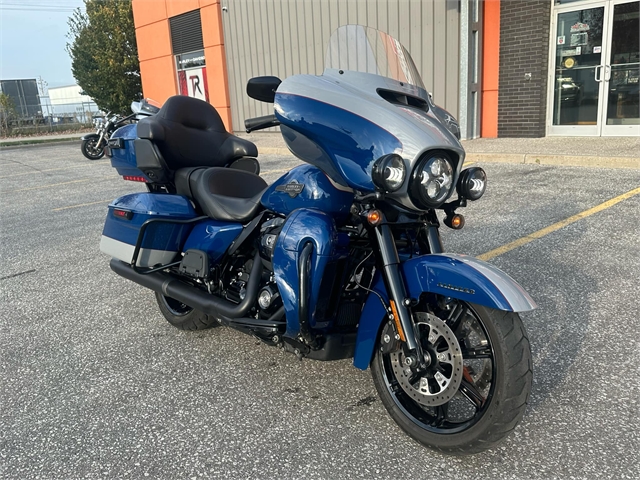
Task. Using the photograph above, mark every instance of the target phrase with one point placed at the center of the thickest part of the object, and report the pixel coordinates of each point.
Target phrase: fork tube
(433, 237)
(395, 285)
(432, 228)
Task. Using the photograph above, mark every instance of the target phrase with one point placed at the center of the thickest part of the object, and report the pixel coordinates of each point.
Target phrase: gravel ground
(94, 383)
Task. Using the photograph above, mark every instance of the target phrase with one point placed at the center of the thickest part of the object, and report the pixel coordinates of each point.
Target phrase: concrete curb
(42, 143)
(528, 158)
(561, 160)
(32, 143)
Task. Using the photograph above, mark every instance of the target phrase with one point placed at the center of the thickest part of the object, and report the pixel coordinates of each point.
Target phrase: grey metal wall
(289, 37)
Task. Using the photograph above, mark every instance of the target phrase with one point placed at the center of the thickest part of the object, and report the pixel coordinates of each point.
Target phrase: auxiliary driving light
(389, 172)
(472, 183)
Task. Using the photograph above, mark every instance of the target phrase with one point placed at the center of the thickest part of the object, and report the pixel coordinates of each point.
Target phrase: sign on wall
(192, 75)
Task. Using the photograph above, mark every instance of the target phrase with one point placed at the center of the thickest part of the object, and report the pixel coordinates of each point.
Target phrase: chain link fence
(58, 118)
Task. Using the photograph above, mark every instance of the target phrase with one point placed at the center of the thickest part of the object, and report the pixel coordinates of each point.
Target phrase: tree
(104, 55)
(7, 113)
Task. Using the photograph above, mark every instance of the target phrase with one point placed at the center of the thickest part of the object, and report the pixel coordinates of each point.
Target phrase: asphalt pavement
(94, 383)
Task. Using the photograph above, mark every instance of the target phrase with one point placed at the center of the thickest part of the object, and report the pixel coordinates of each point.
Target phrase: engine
(237, 273)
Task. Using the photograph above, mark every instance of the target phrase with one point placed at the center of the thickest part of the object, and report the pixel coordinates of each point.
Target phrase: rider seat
(189, 133)
(222, 193)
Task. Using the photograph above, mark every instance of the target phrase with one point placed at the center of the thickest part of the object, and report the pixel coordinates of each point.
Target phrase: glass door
(621, 115)
(577, 89)
(594, 83)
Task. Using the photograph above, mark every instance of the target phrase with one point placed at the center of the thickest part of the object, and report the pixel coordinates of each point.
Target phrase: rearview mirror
(263, 88)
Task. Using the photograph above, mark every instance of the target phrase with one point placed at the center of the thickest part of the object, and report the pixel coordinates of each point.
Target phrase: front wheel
(476, 385)
(92, 148)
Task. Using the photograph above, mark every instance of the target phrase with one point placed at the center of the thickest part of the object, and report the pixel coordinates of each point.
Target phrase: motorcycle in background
(93, 145)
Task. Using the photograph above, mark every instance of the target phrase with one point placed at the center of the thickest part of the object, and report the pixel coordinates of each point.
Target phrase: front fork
(400, 302)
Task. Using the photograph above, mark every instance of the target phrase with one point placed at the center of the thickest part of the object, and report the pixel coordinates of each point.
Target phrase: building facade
(70, 104)
(507, 68)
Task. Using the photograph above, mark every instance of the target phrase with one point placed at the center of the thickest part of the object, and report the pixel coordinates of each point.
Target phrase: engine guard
(458, 276)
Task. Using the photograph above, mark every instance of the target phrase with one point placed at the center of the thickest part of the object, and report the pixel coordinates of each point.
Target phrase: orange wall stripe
(490, 68)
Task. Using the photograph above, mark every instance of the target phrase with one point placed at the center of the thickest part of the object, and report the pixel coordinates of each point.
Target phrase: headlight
(472, 183)
(389, 172)
(432, 181)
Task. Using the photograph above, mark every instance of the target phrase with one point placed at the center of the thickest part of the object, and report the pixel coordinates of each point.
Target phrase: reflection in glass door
(577, 90)
(594, 88)
(621, 71)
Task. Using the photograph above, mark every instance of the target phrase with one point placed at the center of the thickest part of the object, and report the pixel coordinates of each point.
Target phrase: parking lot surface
(94, 383)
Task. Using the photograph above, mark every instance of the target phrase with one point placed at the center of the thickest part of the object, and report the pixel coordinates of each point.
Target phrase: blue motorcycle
(340, 257)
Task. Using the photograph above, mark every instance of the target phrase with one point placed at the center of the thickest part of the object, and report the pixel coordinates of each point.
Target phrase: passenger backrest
(189, 133)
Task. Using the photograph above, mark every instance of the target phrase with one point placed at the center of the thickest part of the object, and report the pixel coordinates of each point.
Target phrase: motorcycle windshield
(367, 50)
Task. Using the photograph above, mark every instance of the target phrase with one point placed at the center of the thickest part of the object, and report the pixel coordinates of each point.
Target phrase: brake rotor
(440, 381)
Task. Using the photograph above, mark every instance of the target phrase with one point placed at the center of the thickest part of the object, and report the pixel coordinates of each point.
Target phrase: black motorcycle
(93, 145)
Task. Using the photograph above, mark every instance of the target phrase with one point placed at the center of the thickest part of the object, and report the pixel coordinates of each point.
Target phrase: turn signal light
(134, 179)
(374, 217)
(455, 221)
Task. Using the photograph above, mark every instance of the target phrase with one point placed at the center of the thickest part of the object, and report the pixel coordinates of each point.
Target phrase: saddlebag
(157, 224)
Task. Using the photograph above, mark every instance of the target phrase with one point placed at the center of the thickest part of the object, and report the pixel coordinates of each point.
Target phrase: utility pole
(44, 94)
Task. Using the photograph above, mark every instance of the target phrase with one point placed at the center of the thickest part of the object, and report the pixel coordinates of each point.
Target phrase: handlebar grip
(258, 123)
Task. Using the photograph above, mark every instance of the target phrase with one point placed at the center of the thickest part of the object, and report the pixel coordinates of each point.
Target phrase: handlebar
(258, 123)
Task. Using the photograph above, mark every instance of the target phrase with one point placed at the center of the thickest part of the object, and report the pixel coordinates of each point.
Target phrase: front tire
(484, 403)
(183, 316)
(91, 149)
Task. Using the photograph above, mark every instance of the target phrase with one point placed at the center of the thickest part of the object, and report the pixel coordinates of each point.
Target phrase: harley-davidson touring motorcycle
(341, 257)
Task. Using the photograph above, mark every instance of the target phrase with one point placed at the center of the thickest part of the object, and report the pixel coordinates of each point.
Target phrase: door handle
(598, 70)
(607, 73)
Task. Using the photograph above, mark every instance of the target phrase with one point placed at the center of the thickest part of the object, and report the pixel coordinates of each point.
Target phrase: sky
(33, 40)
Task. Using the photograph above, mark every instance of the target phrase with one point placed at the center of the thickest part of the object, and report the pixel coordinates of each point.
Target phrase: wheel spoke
(394, 386)
(441, 412)
(472, 394)
(455, 317)
(483, 351)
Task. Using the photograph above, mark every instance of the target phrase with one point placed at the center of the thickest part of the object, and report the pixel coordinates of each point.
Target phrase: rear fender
(457, 276)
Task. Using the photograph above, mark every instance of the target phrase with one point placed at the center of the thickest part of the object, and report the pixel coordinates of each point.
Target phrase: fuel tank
(307, 186)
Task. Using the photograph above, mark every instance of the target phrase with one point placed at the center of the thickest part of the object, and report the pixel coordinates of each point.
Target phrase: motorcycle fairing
(347, 125)
(303, 226)
(458, 276)
(351, 143)
(303, 187)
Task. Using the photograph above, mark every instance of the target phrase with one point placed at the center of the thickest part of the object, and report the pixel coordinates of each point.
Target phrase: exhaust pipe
(172, 287)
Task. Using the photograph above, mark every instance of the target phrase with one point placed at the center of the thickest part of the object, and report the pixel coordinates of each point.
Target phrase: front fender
(89, 136)
(457, 276)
